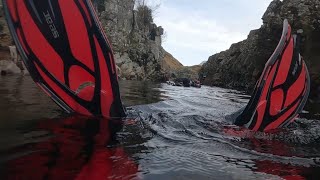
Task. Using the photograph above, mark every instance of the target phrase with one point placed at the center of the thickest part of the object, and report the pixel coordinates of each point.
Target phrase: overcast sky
(197, 29)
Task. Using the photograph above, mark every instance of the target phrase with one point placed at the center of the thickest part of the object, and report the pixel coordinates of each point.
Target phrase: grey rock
(9, 67)
(137, 46)
(121, 59)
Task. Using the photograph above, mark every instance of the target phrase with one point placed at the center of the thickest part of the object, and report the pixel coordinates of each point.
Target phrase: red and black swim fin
(282, 90)
(67, 54)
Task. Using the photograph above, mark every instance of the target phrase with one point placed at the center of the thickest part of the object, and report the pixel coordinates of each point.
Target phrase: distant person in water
(3, 73)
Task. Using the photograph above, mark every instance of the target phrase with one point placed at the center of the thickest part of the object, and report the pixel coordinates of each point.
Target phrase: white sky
(197, 29)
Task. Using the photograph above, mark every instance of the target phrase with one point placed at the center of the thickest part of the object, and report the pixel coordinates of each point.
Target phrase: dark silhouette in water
(285, 171)
(3, 73)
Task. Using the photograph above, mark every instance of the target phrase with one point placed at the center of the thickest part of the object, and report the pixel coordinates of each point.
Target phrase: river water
(170, 133)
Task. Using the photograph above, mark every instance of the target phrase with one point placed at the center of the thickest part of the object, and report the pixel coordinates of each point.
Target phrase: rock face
(190, 72)
(241, 65)
(135, 38)
(5, 38)
(174, 69)
(9, 67)
(170, 64)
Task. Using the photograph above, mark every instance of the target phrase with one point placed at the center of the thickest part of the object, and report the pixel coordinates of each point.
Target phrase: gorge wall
(5, 38)
(135, 38)
(241, 65)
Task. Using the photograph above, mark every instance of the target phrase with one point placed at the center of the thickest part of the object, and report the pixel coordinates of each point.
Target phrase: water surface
(170, 133)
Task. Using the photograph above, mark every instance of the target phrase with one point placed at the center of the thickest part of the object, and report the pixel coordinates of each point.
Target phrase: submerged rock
(9, 67)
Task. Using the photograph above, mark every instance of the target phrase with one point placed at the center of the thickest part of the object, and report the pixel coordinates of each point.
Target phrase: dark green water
(171, 133)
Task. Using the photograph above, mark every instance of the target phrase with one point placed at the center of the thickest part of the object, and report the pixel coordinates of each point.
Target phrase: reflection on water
(136, 92)
(170, 133)
(21, 104)
(70, 148)
(20, 98)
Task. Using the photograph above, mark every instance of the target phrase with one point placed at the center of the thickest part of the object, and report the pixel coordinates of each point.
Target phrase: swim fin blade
(67, 54)
(282, 90)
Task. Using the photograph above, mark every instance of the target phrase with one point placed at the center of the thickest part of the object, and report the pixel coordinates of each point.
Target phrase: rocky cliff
(136, 40)
(174, 69)
(241, 65)
(5, 39)
(170, 64)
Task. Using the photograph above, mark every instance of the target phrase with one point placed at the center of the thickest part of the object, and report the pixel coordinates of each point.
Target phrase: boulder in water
(9, 67)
